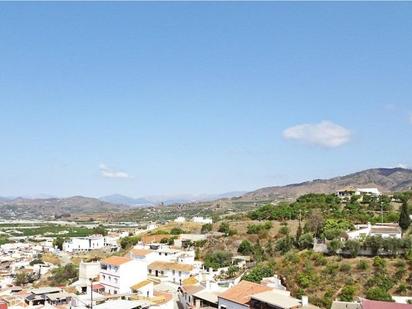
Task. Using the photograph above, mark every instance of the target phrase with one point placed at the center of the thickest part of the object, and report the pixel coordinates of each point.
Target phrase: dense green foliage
(259, 272)
(218, 259)
(64, 275)
(245, 248)
(128, 242)
(259, 228)
(206, 228)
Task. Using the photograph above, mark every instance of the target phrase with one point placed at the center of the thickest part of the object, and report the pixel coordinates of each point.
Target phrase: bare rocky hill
(385, 179)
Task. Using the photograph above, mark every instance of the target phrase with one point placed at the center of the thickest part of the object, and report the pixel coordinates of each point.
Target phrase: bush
(347, 293)
(345, 267)
(305, 241)
(64, 275)
(245, 248)
(206, 228)
(362, 265)
(377, 293)
(176, 231)
(129, 241)
(379, 263)
(218, 259)
(259, 228)
(352, 247)
(259, 272)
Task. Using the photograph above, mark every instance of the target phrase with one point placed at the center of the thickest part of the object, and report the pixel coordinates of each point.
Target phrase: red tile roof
(242, 292)
(374, 304)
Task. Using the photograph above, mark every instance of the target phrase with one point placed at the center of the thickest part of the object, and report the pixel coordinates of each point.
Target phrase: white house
(118, 274)
(84, 243)
(385, 230)
(180, 219)
(367, 191)
(202, 220)
(144, 255)
(170, 271)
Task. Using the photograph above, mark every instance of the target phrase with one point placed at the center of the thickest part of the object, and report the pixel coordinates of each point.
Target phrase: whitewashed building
(89, 243)
(202, 220)
(118, 274)
(384, 230)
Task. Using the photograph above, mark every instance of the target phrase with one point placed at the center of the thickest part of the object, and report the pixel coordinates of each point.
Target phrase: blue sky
(170, 98)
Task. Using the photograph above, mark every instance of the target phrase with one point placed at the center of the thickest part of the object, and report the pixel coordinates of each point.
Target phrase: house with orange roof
(258, 296)
(119, 273)
(170, 271)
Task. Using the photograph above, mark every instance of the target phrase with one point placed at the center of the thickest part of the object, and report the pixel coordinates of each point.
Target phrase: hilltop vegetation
(279, 238)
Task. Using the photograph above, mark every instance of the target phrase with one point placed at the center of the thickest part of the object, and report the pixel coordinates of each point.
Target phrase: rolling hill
(385, 179)
(23, 208)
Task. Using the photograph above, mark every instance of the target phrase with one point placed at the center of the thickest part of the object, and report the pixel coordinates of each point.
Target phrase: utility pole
(91, 293)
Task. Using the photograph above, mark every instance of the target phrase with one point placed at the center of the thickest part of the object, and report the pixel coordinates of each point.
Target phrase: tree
(224, 228)
(314, 222)
(218, 259)
(206, 228)
(404, 219)
(64, 275)
(23, 278)
(245, 248)
(298, 232)
(259, 272)
(334, 246)
(306, 241)
(100, 230)
(128, 242)
(58, 242)
(353, 247)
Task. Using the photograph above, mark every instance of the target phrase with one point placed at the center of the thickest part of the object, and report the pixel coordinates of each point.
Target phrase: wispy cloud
(108, 172)
(325, 134)
(402, 165)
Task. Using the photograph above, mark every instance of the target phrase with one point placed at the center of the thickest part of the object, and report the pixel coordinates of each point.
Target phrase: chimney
(305, 301)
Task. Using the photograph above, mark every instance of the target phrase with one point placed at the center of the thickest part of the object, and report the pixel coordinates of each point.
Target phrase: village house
(258, 296)
(384, 230)
(118, 274)
(202, 220)
(170, 271)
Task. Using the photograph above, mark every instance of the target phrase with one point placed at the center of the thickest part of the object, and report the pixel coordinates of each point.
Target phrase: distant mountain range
(385, 179)
(23, 208)
(167, 199)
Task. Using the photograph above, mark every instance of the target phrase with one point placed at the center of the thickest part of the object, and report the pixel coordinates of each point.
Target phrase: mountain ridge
(385, 179)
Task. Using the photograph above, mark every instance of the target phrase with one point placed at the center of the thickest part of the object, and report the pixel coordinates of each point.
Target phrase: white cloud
(108, 172)
(402, 165)
(324, 133)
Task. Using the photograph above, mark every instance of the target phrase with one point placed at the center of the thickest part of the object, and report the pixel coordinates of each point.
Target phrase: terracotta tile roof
(192, 289)
(190, 281)
(242, 292)
(158, 265)
(116, 260)
(164, 297)
(140, 252)
(373, 304)
(141, 284)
